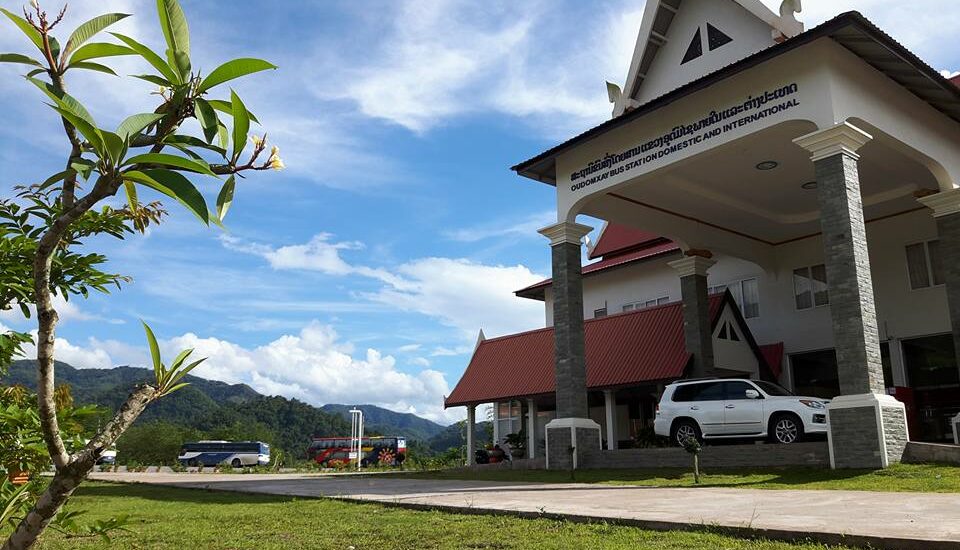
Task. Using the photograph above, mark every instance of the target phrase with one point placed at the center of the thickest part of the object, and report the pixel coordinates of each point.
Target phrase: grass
(184, 518)
(926, 478)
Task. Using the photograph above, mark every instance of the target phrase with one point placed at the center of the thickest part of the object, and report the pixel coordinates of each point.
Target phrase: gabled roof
(618, 245)
(659, 15)
(851, 30)
(617, 239)
(621, 350)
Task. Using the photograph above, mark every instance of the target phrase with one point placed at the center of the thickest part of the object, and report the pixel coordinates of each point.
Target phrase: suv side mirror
(752, 394)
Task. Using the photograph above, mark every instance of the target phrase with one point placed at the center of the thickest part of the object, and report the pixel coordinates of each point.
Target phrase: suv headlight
(813, 404)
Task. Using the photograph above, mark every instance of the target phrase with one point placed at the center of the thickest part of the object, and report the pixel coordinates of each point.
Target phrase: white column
(496, 423)
(471, 426)
(531, 429)
(610, 403)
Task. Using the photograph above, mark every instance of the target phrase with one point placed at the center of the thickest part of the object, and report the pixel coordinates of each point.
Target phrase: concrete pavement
(881, 520)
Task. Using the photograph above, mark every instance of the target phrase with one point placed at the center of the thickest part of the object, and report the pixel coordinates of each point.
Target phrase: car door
(742, 415)
(707, 408)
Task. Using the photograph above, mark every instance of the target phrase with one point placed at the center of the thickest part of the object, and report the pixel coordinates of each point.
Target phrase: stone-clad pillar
(570, 438)
(697, 330)
(868, 428)
(946, 211)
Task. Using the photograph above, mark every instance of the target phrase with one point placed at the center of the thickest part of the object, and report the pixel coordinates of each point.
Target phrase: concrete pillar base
(570, 442)
(866, 431)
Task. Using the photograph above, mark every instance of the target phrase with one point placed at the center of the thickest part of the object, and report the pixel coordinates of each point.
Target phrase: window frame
(808, 269)
(928, 265)
(714, 289)
(640, 305)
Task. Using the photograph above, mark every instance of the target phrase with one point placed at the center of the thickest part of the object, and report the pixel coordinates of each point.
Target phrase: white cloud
(949, 74)
(526, 228)
(409, 348)
(313, 365)
(463, 294)
(440, 59)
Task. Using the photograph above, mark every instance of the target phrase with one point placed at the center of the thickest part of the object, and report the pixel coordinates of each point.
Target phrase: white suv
(737, 408)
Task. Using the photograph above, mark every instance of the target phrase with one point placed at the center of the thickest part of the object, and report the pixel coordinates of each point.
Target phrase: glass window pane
(503, 410)
(933, 248)
(628, 307)
(917, 266)
(737, 390)
(737, 293)
(801, 288)
(930, 361)
(815, 374)
(818, 277)
(887, 365)
(602, 312)
(751, 298)
(663, 300)
(712, 391)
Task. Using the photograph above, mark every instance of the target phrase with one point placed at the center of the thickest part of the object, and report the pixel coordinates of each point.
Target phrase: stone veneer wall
(812, 454)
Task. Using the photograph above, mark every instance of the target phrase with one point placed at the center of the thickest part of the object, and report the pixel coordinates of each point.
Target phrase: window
(509, 418)
(710, 391)
(738, 390)
(644, 304)
(923, 265)
(602, 312)
(728, 332)
(746, 294)
(810, 287)
(930, 361)
(815, 374)
(772, 389)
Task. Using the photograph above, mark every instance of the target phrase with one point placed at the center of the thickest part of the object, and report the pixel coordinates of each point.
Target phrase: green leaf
(154, 351)
(225, 198)
(64, 100)
(83, 167)
(135, 124)
(164, 159)
(91, 66)
(224, 136)
(89, 131)
(174, 185)
(241, 124)
(27, 29)
(181, 63)
(151, 57)
(152, 78)
(178, 139)
(184, 371)
(174, 26)
(18, 58)
(207, 118)
(180, 358)
(59, 176)
(226, 107)
(131, 190)
(234, 69)
(87, 30)
(99, 49)
(114, 144)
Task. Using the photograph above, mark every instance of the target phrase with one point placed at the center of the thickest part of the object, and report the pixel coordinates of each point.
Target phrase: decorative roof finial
(789, 9)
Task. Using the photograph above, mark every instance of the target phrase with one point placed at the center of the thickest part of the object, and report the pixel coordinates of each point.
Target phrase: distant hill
(387, 422)
(455, 436)
(207, 406)
(225, 410)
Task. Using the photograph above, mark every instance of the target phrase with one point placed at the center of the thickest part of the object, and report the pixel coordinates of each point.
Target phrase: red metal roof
(617, 238)
(623, 349)
(773, 353)
(956, 80)
(650, 250)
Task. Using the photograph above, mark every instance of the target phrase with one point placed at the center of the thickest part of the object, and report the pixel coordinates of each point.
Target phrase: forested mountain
(212, 409)
(386, 422)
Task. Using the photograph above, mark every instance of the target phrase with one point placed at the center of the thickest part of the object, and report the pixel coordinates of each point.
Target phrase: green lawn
(184, 518)
(901, 477)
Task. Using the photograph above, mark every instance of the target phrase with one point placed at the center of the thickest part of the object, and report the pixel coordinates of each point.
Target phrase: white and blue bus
(235, 453)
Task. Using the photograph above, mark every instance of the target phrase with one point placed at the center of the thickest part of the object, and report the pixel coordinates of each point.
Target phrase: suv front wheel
(685, 429)
(786, 428)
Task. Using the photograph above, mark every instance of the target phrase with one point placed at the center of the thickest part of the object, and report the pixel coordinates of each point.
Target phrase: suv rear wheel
(684, 430)
(786, 428)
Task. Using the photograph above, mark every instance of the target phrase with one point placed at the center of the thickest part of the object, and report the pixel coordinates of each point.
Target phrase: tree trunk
(78, 467)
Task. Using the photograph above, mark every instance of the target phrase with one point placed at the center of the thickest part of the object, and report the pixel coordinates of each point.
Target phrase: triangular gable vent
(695, 49)
(716, 38)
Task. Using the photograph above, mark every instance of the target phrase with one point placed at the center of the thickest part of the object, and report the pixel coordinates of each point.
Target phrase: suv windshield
(772, 389)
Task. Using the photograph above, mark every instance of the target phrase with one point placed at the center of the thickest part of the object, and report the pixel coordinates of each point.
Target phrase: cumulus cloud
(313, 365)
(461, 293)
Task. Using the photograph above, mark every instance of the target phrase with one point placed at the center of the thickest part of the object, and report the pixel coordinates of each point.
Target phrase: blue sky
(363, 272)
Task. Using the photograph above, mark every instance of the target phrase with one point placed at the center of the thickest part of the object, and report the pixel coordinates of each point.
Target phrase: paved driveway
(886, 520)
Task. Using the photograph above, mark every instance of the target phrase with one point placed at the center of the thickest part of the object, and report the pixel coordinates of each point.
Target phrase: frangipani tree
(44, 223)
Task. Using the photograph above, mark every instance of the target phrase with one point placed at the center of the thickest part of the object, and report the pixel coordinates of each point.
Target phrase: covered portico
(766, 154)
